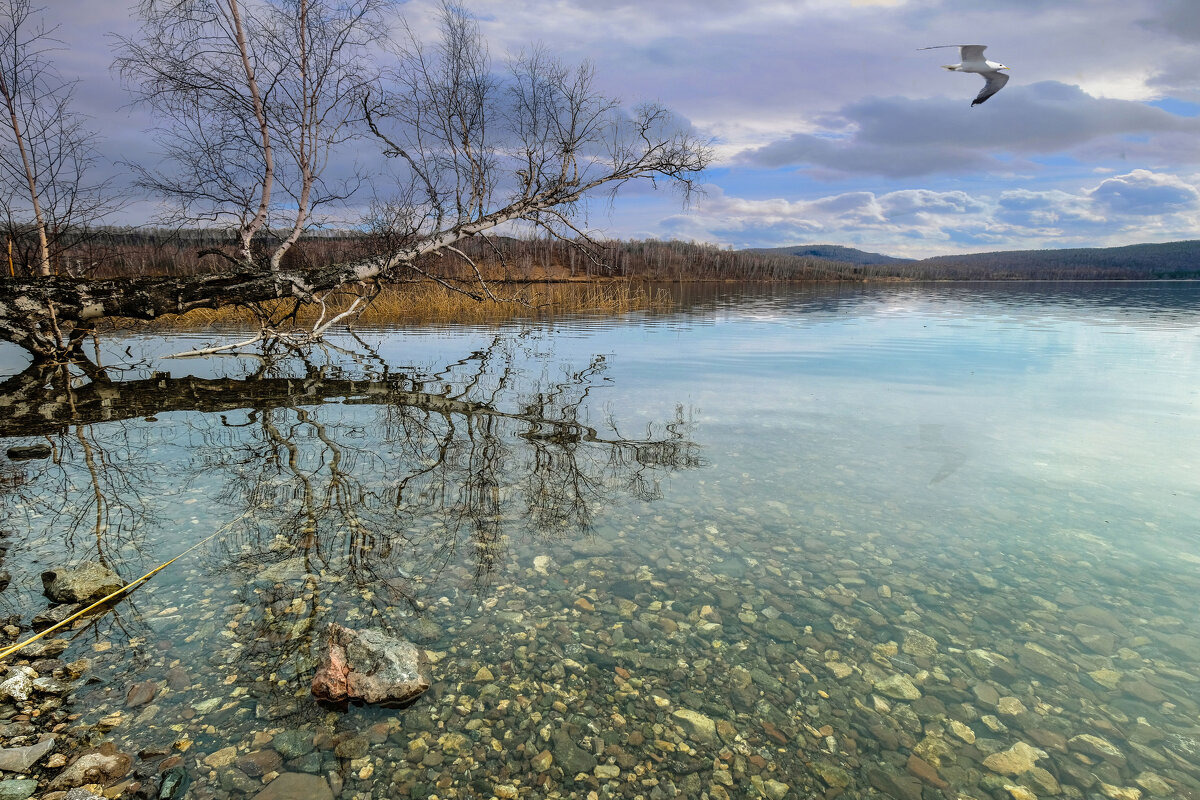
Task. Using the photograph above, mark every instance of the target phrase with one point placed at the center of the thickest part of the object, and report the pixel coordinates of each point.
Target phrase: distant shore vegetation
(130, 252)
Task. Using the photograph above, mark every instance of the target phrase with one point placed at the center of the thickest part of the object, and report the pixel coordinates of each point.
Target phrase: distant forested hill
(830, 252)
(122, 252)
(1132, 262)
(1137, 261)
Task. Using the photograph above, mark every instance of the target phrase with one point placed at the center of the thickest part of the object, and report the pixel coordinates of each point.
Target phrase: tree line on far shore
(112, 252)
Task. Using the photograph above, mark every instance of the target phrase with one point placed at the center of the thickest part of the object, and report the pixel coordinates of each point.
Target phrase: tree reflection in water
(348, 494)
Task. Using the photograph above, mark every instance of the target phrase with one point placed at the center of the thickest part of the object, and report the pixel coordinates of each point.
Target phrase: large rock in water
(84, 583)
(371, 666)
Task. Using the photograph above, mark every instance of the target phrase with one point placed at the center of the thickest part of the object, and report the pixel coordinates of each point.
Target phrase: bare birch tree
(46, 150)
(254, 97)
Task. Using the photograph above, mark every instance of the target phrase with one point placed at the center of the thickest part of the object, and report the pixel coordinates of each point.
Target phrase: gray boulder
(45, 648)
(83, 583)
(570, 756)
(17, 685)
(80, 793)
(54, 615)
(17, 789)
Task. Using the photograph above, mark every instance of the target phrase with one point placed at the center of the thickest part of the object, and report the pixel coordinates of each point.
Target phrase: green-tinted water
(910, 541)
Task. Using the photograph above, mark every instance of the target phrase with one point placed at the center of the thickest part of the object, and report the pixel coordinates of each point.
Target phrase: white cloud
(1046, 212)
(919, 203)
(1137, 206)
(742, 67)
(1143, 193)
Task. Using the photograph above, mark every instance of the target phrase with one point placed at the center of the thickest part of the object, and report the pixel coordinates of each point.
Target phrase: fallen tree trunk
(49, 316)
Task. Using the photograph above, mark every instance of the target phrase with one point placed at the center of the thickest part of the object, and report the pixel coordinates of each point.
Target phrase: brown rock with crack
(102, 765)
(259, 763)
(371, 666)
(140, 693)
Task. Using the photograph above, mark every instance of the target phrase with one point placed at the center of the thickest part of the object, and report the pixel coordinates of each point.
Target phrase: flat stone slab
(1016, 760)
(296, 786)
(699, 727)
(17, 789)
(20, 759)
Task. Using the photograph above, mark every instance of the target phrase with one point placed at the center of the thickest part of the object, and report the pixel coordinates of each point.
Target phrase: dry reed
(425, 302)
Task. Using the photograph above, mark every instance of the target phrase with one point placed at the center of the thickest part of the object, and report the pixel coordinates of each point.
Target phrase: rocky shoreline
(623, 668)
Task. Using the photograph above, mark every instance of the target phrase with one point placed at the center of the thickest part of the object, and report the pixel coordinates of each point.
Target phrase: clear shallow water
(787, 543)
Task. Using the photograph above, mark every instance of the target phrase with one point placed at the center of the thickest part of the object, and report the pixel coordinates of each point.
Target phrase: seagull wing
(969, 52)
(995, 82)
(972, 52)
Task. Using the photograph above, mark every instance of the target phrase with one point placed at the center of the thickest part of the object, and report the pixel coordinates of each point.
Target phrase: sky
(830, 125)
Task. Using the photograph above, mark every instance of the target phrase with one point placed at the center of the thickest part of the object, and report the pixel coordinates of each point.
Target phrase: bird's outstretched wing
(995, 82)
(972, 52)
(969, 52)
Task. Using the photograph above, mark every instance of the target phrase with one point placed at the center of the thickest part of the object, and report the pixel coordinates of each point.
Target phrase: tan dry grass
(426, 302)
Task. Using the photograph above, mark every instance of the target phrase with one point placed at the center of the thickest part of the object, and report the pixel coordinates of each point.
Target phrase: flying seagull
(973, 61)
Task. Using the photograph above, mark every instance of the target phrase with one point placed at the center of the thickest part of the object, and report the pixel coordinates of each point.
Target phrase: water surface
(778, 542)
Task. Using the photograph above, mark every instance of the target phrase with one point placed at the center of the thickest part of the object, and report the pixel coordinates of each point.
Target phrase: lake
(854, 541)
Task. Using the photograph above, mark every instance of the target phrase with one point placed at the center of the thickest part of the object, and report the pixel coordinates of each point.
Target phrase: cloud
(1138, 206)
(1175, 17)
(1177, 77)
(899, 137)
(916, 203)
(828, 107)
(832, 157)
(1046, 212)
(860, 207)
(1144, 193)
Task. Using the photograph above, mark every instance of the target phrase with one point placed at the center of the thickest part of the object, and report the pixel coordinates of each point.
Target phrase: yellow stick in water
(129, 587)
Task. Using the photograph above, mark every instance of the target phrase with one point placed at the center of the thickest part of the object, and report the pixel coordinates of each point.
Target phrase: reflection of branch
(90, 498)
(382, 482)
(43, 411)
(97, 495)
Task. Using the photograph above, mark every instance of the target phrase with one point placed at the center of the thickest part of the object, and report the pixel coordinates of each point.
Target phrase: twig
(206, 351)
